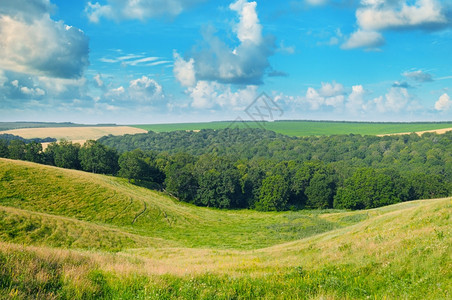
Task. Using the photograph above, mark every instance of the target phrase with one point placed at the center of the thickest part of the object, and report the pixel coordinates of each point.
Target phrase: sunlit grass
(105, 200)
(69, 235)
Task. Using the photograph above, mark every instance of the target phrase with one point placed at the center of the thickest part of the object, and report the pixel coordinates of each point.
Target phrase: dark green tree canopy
(97, 158)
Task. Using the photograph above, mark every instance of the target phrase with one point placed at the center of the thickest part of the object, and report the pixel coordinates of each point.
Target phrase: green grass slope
(32, 228)
(113, 202)
(72, 235)
(307, 128)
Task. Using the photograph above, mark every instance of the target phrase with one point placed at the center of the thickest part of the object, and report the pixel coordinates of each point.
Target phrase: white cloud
(32, 43)
(248, 29)
(330, 94)
(145, 89)
(62, 88)
(355, 101)
(375, 16)
(135, 60)
(184, 70)
(397, 99)
(245, 64)
(211, 95)
(137, 10)
(203, 94)
(142, 90)
(444, 103)
(33, 92)
(116, 93)
(394, 101)
(390, 14)
(419, 76)
(331, 89)
(142, 60)
(95, 11)
(364, 39)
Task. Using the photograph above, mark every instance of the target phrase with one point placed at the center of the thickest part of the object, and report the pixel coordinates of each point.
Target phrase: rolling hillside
(70, 234)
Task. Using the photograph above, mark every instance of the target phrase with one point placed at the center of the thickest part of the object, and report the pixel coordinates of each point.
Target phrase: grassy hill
(69, 234)
(308, 128)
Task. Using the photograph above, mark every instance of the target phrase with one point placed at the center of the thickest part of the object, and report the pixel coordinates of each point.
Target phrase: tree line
(259, 169)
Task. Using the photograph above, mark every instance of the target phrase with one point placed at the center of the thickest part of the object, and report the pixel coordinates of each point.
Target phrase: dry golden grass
(74, 134)
(437, 131)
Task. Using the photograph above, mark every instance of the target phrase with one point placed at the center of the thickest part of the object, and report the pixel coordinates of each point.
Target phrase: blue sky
(165, 61)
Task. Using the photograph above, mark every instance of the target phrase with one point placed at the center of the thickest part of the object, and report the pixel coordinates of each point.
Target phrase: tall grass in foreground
(87, 247)
(400, 252)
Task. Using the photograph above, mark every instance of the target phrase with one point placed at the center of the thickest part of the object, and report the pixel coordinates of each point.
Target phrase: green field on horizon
(306, 128)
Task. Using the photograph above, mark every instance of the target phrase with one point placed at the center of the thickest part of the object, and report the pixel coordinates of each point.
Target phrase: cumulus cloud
(401, 14)
(444, 103)
(355, 101)
(330, 94)
(145, 89)
(418, 76)
(216, 61)
(136, 10)
(248, 29)
(142, 90)
(32, 43)
(211, 95)
(394, 101)
(378, 15)
(184, 71)
(364, 39)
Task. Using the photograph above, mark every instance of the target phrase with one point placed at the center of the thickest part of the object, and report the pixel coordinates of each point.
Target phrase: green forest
(262, 170)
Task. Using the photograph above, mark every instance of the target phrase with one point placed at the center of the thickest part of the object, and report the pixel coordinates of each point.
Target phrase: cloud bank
(32, 43)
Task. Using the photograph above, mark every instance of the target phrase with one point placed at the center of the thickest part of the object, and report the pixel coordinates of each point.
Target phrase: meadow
(68, 234)
(308, 128)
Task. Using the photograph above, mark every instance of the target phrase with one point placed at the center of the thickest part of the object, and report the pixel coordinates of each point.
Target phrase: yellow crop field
(437, 131)
(74, 134)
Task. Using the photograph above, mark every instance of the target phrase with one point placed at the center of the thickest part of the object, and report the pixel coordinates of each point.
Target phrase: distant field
(75, 134)
(307, 128)
(18, 125)
(67, 234)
